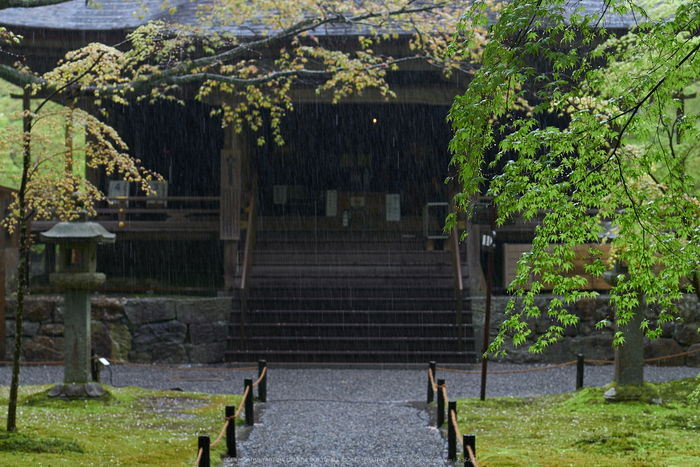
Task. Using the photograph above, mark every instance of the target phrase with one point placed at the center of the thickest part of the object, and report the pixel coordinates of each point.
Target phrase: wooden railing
(248, 258)
(171, 212)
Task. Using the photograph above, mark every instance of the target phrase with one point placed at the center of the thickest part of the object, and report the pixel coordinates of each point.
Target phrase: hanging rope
(199, 457)
(432, 381)
(472, 457)
(262, 375)
(509, 371)
(453, 418)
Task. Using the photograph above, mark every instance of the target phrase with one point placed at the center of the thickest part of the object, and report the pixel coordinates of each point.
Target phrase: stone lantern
(77, 276)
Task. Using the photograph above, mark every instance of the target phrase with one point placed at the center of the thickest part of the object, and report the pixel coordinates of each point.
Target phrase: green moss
(132, 427)
(42, 399)
(579, 429)
(18, 442)
(645, 393)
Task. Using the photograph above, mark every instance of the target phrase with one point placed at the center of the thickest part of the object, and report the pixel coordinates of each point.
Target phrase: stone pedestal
(77, 337)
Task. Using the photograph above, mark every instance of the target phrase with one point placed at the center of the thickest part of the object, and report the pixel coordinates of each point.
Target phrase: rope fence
(549, 367)
(468, 441)
(229, 429)
(454, 435)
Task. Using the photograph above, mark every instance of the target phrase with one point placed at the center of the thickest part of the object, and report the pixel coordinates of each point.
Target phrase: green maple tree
(625, 154)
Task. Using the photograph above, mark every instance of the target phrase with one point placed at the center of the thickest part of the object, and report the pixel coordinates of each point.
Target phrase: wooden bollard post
(262, 385)
(451, 433)
(431, 367)
(579, 372)
(440, 404)
(469, 440)
(203, 444)
(94, 368)
(231, 431)
(249, 414)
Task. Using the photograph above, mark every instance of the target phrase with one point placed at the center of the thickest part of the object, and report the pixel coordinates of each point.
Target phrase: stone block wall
(595, 344)
(141, 330)
(194, 330)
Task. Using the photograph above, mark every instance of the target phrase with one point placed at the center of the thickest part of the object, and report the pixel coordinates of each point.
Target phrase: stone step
(347, 292)
(353, 330)
(395, 305)
(362, 356)
(372, 257)
(315, 316)
(356, 281)
(351, 270)
(352, 344)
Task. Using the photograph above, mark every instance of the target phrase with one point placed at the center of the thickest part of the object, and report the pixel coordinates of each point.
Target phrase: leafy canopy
(622, 156)
(251, 54)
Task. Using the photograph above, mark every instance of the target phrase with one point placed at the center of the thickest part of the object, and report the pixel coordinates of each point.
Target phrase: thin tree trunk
(22, 268)
(695, 281)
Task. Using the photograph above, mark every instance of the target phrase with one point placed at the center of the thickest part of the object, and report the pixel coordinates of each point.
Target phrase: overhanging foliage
(623, 157)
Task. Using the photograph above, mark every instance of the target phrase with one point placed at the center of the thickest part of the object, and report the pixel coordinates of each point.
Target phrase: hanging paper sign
(331, 203)
(393, 207)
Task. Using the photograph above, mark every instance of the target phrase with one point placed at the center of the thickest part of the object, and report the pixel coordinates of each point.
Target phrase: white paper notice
(331, 203)
(393, 207)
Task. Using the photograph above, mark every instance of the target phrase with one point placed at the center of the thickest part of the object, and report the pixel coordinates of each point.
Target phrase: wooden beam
(443, 96)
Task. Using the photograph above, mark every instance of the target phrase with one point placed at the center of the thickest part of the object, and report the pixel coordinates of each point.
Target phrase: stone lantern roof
(78, 232)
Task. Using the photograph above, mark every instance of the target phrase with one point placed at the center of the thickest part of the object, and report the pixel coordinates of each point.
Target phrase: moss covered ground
(132, 427)
(580, 429)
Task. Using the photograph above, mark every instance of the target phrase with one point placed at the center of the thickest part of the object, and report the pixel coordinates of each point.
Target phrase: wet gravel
(349, 417)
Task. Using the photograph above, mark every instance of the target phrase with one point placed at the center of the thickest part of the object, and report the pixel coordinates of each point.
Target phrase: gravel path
(349, 417)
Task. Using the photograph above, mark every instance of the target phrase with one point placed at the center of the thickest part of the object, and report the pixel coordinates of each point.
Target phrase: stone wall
(143, 330)
(595, 344)
(194, 330)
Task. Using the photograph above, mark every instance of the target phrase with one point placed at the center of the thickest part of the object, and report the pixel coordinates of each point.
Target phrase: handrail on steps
(458, 286)
(248, 257)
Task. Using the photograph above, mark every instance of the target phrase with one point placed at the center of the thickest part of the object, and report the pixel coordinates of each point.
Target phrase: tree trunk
(22, 268)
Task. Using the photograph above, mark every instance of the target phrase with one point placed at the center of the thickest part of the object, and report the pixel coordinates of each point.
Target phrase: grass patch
(131, 427)
(17, 442)
(580, 429)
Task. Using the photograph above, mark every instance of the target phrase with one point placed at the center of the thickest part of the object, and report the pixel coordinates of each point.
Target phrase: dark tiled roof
(610, 20)
(75, 15)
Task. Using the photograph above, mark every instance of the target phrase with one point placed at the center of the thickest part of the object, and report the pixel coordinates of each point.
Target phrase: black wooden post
(231, 430)
(95, 369)
(579, 372)
(204, 461)
(249, 414)
(440, 403)
(431, 367)
(469, 440)
(451, 432)
(262, 385)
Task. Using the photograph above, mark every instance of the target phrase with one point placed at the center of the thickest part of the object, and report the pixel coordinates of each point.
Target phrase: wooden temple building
(331, 246)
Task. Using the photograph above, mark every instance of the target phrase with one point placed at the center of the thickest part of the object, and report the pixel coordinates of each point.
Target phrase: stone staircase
(349, 299)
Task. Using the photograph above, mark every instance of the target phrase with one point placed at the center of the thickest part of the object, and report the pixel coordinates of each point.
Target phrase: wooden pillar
(230, 203)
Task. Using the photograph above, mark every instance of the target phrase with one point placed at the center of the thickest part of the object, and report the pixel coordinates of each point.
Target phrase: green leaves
(614, 155)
